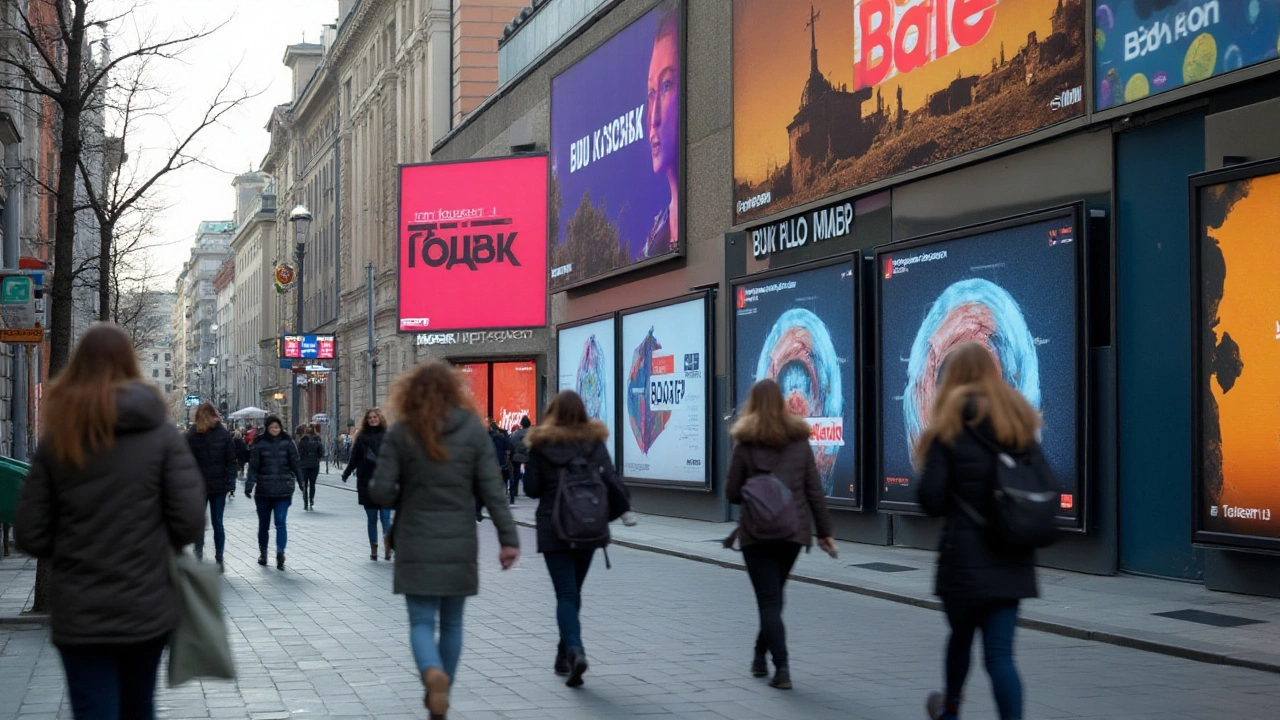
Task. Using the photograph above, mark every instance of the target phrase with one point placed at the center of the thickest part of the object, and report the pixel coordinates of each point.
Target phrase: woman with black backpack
(979, 580)
(569, 442)
(773, 445)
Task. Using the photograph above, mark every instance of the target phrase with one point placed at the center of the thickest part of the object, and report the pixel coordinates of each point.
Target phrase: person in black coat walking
(979, 580)
(502, 450)
(215, 452)
(363, 462)
(242, 459)
(519, 457)
(565, 434)
(310, 454)
(273, 472)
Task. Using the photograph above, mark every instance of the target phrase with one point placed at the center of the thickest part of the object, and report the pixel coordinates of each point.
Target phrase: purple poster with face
(616, 173)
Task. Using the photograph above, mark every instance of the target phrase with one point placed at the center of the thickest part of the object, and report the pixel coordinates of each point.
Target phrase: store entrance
(504, 391)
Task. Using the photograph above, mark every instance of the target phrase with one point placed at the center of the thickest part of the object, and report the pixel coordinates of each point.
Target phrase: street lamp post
(213, 382)
(300, 218)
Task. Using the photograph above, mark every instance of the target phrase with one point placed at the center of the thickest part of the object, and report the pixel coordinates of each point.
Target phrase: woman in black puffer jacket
(980, 580)
(215, 452)
(364, 460)
(310, 453)
(273, 472)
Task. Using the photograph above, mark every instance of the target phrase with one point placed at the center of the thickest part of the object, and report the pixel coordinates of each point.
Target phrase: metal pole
(12, 249)
(373, 351)
(300, 252)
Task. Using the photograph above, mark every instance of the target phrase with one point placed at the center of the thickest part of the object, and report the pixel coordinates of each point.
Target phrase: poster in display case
(798, 327)
(666, 393)
(1017, 287)
(1236, 356)
(588, 365)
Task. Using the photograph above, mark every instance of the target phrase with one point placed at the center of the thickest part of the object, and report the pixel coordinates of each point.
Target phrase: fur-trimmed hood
(543, 436)
(751, 429)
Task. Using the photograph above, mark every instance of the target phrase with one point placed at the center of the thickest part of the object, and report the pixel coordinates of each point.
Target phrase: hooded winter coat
(551, 448)
(364, 462)
(435, 525)
(273, 467)
(792, 463)
(216, 456)
(970, 566)
(310, 452)
(109, 527)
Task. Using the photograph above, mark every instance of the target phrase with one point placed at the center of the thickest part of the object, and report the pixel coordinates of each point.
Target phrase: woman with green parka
(434, 462)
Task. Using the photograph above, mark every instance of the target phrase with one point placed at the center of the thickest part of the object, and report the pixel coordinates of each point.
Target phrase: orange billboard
(515, 392)
(476, 377)
(830, 95)
(1238, 357)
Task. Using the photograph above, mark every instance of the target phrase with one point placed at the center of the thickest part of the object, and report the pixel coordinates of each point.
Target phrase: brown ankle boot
(373, 551)
(387, 545)
(437, 697)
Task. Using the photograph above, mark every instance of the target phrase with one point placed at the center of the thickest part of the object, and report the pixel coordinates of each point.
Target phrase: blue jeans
(266, 508)
(568, 570)
(112, 682)
(374, 514)
(997, 619)
(217, 505)
(442, 654)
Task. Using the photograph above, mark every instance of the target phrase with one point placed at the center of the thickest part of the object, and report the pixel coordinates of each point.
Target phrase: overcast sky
(252, 43)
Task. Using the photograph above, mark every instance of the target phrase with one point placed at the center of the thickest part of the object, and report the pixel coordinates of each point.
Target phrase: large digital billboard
(473, 245)
(833, 94)
(503, 391)
(1146, 47)
(1237, 357)
(616, 136)
(666, 394)
(799, 329)
(1015, 288)
(307, 347)
(588, 366)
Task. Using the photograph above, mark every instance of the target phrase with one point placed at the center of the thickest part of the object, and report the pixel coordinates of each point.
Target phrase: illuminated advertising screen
(515, 393)
(307, 347)
(1015, 288)
(473, 245)
(1146, 47)
(833, 94)
(798, 329)
(616, 137)
(665, 393)
(475, 377)
(588, 366)
(1237, 357)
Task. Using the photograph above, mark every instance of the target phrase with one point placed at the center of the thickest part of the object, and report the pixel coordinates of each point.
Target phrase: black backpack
(768, 512)
(1024, 499)
(580, 514)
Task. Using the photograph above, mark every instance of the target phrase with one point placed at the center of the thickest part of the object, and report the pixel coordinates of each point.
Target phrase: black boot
(279, 561)
(781, 677)
(262, 556)
(759, 666)
(562, 660)
(577, 666)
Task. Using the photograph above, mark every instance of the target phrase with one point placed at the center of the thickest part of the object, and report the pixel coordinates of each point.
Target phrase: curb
(18, 621)
(1053, 627)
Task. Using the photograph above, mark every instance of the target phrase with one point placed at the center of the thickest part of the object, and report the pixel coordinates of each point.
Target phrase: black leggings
(769, 564)
(308, 488)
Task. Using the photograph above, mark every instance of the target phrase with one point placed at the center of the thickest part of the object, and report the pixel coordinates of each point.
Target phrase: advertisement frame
(1199, 536)
(280, 345)
(615, 448)
(976, 156)
(400, 168)
(852, 260)
(539, 365)
(682, 246)
(1076, 212)
(709, 447)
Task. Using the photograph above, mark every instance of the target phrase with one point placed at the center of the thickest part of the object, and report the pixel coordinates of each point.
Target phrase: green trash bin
(12, 473)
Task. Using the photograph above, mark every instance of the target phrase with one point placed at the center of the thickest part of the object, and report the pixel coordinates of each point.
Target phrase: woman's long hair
(766, 420)
(81, 402)
(207, 418)
(566, 410)
(970, 375)
(423, 398)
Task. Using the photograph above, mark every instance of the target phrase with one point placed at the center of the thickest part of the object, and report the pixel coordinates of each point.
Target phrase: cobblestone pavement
(667, 637)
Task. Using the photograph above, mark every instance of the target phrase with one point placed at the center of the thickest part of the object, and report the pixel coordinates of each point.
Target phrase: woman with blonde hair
(214, 449)
(771, 440)
(980, 581)
(363, 462)
(431, 466)
(111, 493)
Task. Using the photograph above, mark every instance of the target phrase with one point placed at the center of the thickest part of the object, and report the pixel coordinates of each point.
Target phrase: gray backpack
(768, 512)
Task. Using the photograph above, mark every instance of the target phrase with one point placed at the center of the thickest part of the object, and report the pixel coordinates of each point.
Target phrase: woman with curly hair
(363, 462)
(433, 463)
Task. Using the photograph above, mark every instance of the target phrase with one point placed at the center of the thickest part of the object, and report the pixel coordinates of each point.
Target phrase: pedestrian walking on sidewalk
(310, 454)
(273, 472)
(772, 445)
(215, 452)
(112, 491)
(502, 450)
(434, 461)
(979, 580)
(569, 445)
(519, 457)
(242, 459)
(363, 462)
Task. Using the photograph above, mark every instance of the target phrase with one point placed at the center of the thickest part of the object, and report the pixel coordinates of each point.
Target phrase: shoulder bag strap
(970, 511)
